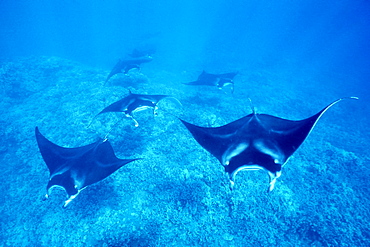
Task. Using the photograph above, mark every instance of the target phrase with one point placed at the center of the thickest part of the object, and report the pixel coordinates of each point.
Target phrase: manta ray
(123, 66)
(143, 51)
(73, 169)
(218, 80)
(134, 103)
(256, 141)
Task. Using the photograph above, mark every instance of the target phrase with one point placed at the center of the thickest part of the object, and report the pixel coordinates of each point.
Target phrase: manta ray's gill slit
(233, 151)
(271, 150)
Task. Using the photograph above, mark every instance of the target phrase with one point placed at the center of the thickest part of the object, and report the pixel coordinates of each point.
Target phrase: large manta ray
(134, 103)
(75, 168)
(218, 80)
(123, 66)
(256, 141)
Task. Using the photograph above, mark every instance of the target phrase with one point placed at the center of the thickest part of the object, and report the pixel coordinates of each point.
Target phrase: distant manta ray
(218, 80)
(256, 141)
(123, 66)
(143, 51)
(133, 103)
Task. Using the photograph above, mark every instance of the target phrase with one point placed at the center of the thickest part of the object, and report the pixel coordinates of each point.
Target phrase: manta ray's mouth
(235, 156)
(141, 108)
(253, 167)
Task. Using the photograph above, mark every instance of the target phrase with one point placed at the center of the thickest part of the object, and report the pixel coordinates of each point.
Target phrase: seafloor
(178, 194)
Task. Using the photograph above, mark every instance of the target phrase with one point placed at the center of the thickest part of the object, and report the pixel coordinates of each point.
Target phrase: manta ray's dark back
(75, 168)
(218, 80)
(132, 101)
(124, 65)
(256, 141)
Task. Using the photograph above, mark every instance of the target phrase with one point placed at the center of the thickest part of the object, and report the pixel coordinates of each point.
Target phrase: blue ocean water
(292, 58)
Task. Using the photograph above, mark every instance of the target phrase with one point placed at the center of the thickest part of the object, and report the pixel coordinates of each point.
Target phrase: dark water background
(292, 59)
